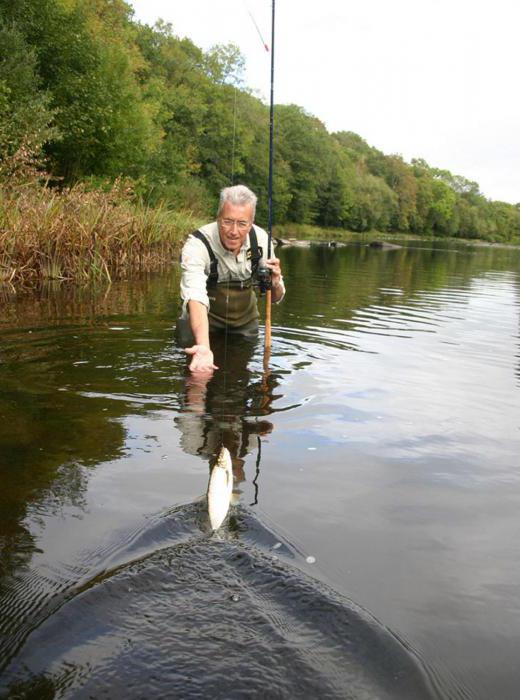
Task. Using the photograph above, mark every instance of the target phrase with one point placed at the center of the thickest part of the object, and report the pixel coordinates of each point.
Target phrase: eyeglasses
(241, 225)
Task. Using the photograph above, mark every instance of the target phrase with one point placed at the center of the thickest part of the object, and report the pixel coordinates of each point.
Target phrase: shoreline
(80, 236)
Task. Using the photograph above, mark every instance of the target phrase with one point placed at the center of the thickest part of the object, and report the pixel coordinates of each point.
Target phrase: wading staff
(267, 341)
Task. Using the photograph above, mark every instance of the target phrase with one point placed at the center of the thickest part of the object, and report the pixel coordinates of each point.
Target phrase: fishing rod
(267, 338)
(265, 285)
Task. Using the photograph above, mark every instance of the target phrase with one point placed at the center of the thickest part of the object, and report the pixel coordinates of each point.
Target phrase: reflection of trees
(53, 302)
(227, 409)
(47, 438)
(339, 281)
(52, 431)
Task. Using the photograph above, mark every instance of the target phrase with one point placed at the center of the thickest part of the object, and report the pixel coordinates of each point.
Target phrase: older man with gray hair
(220, 263)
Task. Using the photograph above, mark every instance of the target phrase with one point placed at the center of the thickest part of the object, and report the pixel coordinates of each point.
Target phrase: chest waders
(232, 304)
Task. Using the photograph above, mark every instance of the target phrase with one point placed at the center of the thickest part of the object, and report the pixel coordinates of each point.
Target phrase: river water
(372, 547)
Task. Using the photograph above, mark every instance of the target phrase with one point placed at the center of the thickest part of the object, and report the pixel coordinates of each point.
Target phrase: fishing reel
(263, 279)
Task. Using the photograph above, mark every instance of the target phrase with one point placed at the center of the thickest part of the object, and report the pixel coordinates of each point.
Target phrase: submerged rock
(384, 245)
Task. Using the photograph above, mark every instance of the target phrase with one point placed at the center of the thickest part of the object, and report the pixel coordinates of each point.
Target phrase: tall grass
(80, 234)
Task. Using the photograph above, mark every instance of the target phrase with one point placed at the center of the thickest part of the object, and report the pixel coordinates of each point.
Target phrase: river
(372, 547)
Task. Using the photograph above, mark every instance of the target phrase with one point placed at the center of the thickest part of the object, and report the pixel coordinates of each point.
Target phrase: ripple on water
(189, 615)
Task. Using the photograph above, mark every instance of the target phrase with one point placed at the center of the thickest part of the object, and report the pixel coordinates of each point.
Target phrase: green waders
(232, 305)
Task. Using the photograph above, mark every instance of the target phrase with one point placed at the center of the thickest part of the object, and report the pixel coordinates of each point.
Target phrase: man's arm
(194, 293)
(202, 356)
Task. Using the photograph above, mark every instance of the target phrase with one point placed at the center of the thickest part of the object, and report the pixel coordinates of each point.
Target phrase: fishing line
(267, 338)
(270, 187)
(225, 368)
(264, 44)
(234, 137)
(267, 334)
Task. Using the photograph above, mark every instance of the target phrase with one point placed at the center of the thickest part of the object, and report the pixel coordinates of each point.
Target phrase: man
(219, 265)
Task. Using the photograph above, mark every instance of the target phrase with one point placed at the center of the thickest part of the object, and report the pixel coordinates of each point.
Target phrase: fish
(220, 489)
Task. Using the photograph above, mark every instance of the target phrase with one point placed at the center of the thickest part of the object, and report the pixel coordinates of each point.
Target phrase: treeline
(94, 95)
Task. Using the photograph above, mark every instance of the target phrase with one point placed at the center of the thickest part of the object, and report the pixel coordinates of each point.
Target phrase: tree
(399, 177)
(102, 96)
(225, 64)
(88, 75)
(375, 205)
(305, 146)
(25, 113)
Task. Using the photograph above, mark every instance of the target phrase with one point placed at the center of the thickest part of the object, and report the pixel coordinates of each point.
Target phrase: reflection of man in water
(219, 266)
(226, 408)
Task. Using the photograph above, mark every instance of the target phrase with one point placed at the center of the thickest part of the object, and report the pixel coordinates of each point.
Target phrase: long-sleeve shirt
(195, 263)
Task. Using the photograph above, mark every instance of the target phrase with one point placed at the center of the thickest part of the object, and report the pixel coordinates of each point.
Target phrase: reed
(79, 234)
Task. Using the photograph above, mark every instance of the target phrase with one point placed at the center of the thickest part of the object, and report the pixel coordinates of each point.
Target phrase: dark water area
(371, 550)
(193, 616)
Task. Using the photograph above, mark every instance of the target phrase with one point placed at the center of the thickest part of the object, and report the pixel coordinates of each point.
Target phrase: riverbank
(82, 235)
(301, 232)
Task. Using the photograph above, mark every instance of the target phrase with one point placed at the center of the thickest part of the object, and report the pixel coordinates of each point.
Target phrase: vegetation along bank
(116, 137)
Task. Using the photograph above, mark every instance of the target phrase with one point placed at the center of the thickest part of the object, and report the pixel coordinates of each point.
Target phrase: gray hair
(238, 195)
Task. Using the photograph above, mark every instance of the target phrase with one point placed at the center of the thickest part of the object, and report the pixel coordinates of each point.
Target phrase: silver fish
(220, 488)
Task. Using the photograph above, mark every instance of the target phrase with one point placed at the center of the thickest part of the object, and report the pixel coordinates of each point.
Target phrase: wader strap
(255, 252)
(213, 264)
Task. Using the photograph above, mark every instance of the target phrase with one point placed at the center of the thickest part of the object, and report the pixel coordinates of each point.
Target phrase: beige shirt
(195, 263)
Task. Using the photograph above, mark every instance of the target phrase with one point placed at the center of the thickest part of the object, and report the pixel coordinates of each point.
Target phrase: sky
(432, 79)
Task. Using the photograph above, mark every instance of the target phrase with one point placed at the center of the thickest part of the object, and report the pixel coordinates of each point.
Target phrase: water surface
(382, 442)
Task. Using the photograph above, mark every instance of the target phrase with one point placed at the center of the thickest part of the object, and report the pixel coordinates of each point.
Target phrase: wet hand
(202, 360)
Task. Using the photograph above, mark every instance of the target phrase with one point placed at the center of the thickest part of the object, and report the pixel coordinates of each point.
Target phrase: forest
(91, 99)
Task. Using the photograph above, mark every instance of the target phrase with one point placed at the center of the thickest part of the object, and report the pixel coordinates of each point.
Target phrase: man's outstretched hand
(202, 359)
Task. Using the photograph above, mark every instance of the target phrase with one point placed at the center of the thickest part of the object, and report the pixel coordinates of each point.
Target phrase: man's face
(234, 222)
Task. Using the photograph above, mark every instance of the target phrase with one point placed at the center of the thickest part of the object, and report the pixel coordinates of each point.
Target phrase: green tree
(399, 177)
(25, 113)
(305, 146)
(375, 205)
(89, 78)
(105, 96)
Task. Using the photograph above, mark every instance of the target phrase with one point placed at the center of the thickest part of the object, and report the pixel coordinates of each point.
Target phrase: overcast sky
(432, 79)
